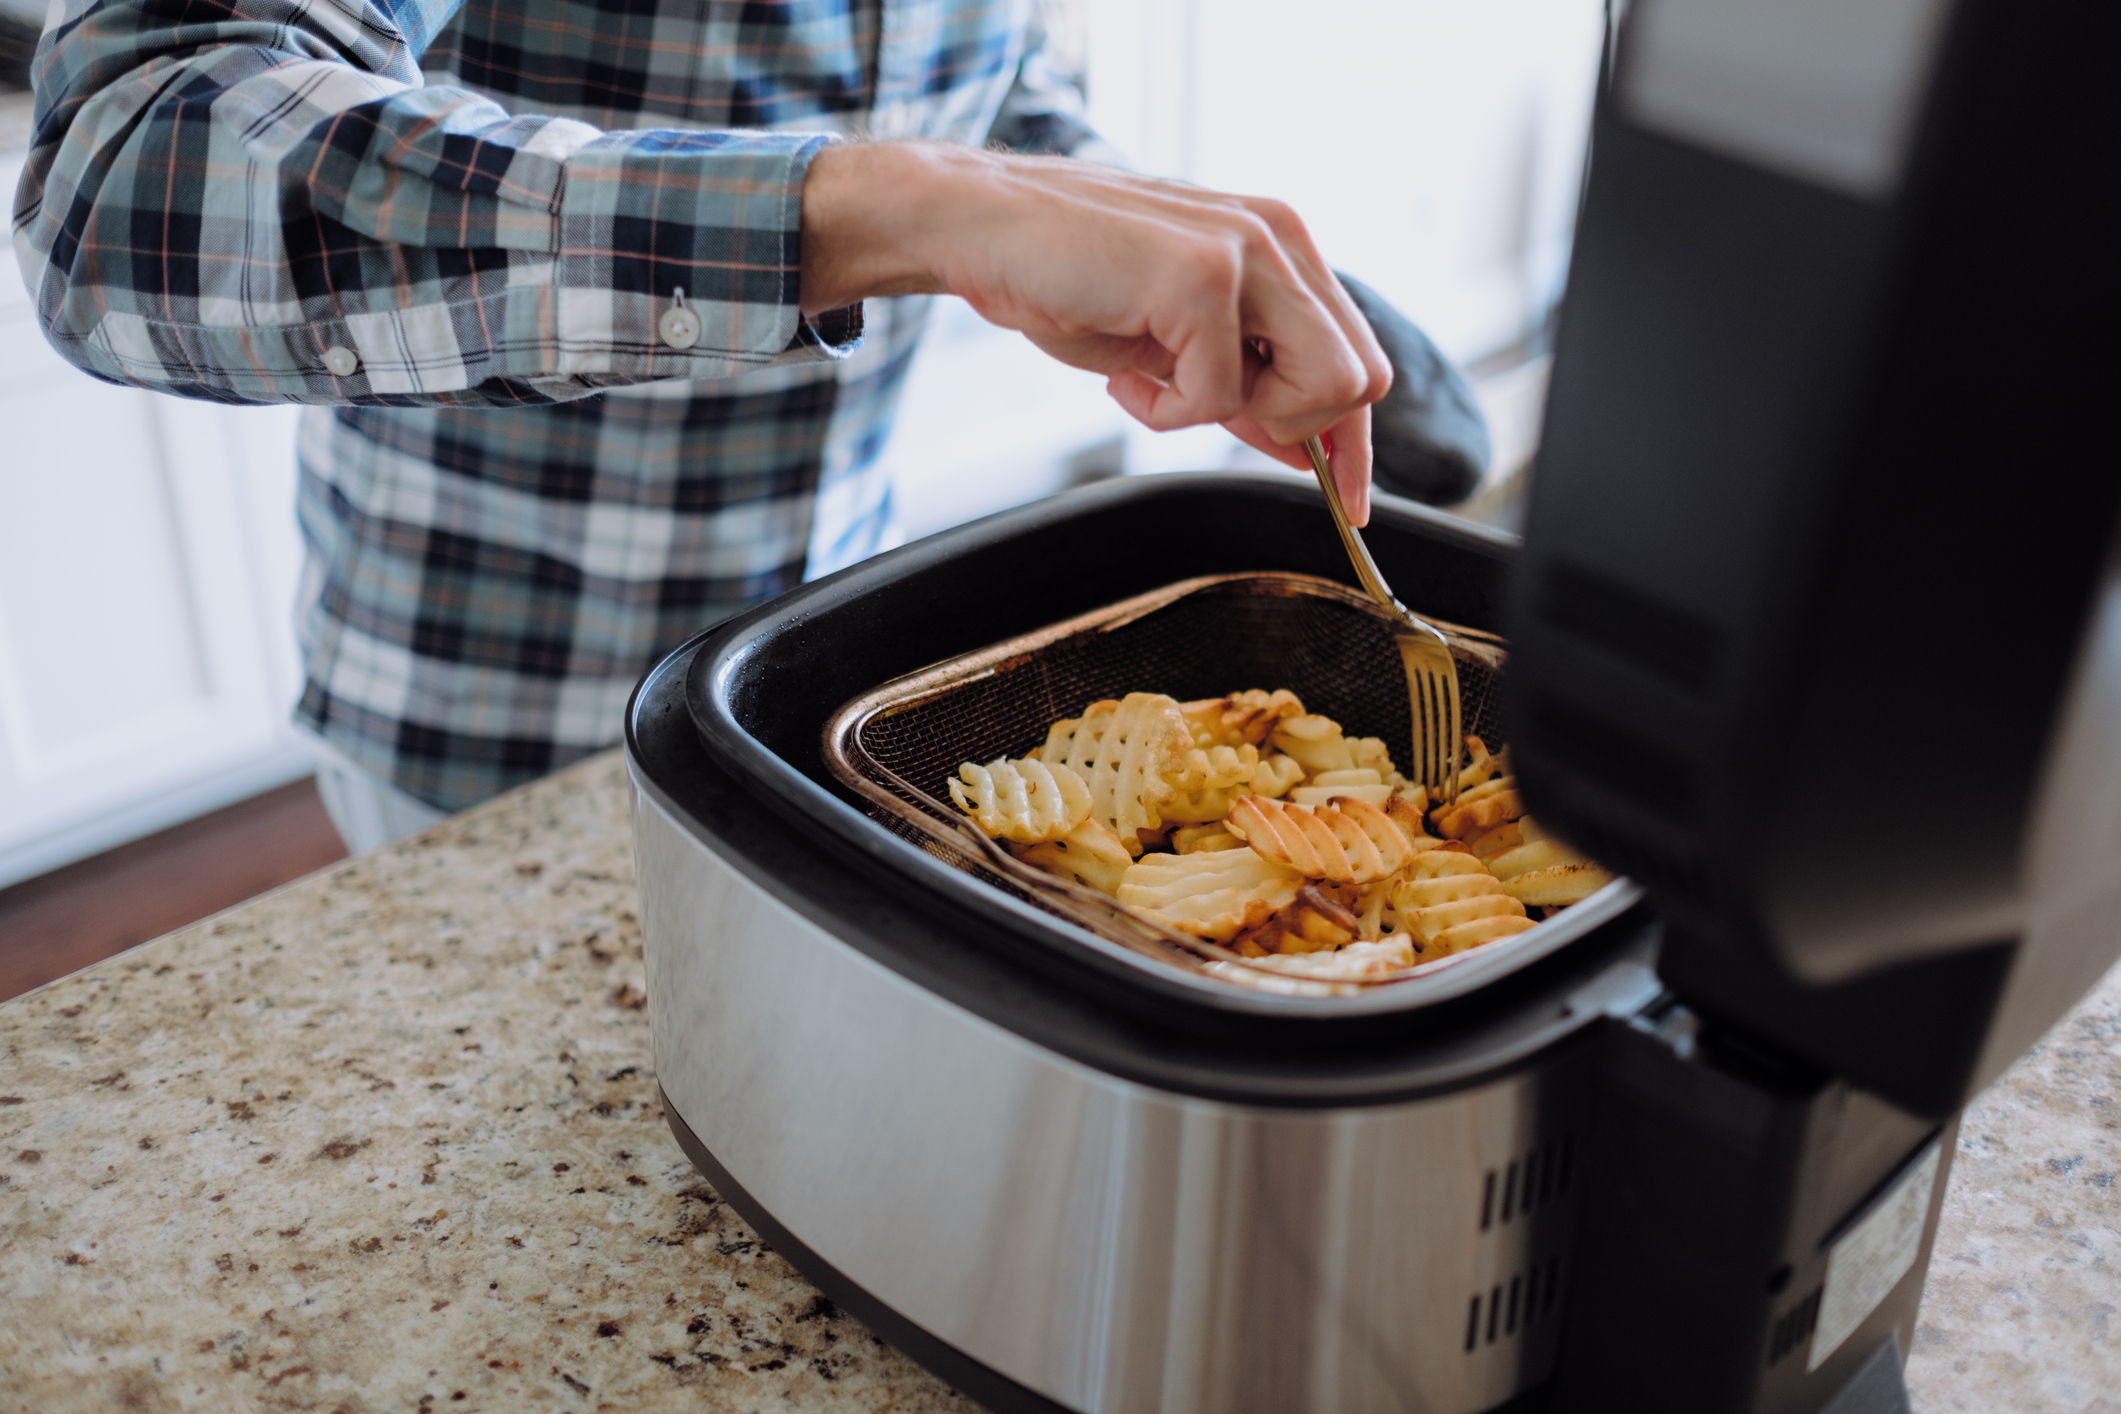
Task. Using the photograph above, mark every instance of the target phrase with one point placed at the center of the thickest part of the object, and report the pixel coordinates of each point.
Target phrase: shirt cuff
(717, 215)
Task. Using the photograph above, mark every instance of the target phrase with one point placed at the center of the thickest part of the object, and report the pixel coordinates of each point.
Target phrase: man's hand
(1196, 306)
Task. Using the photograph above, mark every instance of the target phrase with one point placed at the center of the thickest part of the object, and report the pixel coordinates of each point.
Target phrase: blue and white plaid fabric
(511, 508)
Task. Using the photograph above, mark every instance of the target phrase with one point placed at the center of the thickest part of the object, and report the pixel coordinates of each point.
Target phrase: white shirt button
(341, 360)
(679, 326)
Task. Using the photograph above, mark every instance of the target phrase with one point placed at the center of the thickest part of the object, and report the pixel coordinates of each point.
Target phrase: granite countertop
(389, 1138)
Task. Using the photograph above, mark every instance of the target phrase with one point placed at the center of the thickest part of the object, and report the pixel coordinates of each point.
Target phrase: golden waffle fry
(1358, 959)
(1447, 858)
(1407, 814)
(1486, 806)
(1348, 843)
(1275, 775)
(1216, 767)
(1489, 843)
(1209, 781)
(1536, 854)
(1410, 895)
(1241, 719)
(1485, 789)
(1394, 850)
(1428, 924)
(1213, 894)
(1292, 836)
(1479, 765)
(1088, 854)
(1314, 922)
(1316, 743)
(1377, 795)
(1025, 802)
(1370, 754)
(1191, 839)
(1359, 776)
(1371, 905)
(1473, 934)
(1448, 901)
(1126, 752)
(1557, 885)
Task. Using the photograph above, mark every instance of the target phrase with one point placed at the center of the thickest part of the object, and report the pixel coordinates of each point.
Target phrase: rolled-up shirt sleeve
(258, 201)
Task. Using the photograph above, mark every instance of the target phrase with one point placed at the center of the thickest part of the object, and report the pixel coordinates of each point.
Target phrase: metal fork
(1432, 674)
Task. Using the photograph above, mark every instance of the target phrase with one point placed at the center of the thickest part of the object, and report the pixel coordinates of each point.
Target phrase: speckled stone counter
(388, 1139)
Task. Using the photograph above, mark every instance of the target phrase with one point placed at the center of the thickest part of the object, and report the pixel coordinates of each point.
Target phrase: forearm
(212, 210)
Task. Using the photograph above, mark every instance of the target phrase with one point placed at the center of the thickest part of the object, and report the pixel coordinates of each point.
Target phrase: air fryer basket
(899, 745)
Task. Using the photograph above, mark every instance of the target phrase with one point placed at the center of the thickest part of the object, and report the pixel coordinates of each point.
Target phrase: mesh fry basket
(898, 745)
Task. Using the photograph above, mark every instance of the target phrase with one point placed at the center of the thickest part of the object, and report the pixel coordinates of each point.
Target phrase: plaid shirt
(521, 495)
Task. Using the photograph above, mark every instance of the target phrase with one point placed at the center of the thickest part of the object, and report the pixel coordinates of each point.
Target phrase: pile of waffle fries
(1249, 822)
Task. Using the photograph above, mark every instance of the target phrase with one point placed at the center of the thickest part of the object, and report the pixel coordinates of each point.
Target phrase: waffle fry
(1350, 842)
(1127, 752)
(1478, 767)
(1213, 894)
(1191, 839)
(1493, 803)
(1407, 814)
(1247, 820)
(1489, 843)
(1428, 925)
(1557, 885)
(1276, 774)
(1088, 854)
(1472, 934)
(1316, 743)
(1447, 901)
(1357, 959)
(1241, 719)
(1209, 781)
(1314, 922)
(1530, 856)
(1024, 802)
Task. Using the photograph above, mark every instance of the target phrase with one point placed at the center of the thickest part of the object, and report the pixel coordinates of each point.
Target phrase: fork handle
(1373, 581)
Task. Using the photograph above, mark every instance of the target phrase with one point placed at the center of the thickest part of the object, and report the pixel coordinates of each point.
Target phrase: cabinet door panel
(147, 561)
(98, 649)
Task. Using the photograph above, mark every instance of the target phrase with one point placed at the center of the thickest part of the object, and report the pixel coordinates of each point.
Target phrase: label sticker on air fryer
(1872, 1256)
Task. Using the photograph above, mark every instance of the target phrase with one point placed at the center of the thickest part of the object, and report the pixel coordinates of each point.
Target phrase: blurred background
(148, 550)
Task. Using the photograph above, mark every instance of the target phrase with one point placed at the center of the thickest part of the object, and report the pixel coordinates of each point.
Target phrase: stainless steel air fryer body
(1109, 1245)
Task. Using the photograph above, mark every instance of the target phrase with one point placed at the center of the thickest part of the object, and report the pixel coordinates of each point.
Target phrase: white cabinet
(148, 556)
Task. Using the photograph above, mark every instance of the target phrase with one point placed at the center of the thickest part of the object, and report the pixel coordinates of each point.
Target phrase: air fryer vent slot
(1528, 1182)
(1793, 1326)
(1510, 1308)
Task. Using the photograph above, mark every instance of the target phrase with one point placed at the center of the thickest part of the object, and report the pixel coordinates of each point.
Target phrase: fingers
(1249, 432)
(1295, 238)
(1201, 324)
(1325, 360)
(1164, 289)
(1349, 455)
(1351, 460)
